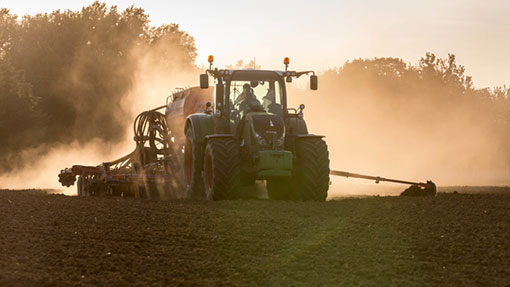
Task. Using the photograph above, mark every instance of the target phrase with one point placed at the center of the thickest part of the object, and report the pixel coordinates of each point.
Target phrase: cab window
(245, 96)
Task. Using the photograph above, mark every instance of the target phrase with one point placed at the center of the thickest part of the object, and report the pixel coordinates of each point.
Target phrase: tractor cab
(241, 92)
(252, 105)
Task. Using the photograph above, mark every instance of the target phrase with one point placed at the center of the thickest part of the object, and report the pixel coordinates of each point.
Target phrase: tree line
(403, 117)
(64, 75)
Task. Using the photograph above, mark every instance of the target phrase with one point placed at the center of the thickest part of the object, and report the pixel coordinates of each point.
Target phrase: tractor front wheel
(310, 175)
(221, 169)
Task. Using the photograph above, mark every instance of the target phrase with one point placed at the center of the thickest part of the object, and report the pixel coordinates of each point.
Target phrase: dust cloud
(400, 122)
(43, 171)
(157, 75)
(72, 82)
(380, 116)
(154, 77)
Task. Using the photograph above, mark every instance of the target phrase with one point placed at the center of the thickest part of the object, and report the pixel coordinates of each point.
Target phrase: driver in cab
(247, 101)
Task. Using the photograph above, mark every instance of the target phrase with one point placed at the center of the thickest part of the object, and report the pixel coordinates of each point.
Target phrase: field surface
(450, 240)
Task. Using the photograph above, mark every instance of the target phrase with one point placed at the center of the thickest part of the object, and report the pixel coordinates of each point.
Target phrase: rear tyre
(193, 181)
(279, 189)
(311, 169)
(221, 169)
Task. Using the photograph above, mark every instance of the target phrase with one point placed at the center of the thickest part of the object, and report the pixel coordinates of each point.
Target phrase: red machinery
(154, 167)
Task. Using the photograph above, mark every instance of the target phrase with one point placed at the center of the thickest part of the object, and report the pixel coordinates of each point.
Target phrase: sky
(324, 34)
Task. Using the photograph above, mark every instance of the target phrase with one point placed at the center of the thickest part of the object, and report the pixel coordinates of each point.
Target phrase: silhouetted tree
(384, 107)
(80, 66)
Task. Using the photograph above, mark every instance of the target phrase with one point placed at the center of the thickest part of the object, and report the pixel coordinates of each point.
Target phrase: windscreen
(257, 96)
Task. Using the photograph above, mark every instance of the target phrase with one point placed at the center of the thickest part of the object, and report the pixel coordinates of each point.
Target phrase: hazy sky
(322, 34)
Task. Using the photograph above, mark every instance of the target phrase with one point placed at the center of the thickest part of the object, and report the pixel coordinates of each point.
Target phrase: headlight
(263, 142)
(260, 140)
(280, 141)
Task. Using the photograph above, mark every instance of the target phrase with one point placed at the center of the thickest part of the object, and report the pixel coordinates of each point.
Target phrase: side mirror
(204, 81)
(314, 83)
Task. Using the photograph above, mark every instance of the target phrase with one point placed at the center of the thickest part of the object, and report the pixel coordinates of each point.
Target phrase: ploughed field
(452, 239)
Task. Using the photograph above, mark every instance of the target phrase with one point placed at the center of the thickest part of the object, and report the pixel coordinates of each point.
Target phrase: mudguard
(309, 136)
(202, 125)
(296, 129)
(218, 136)
(295, 126)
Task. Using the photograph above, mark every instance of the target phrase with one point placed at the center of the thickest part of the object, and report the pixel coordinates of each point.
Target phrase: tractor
(249, 133)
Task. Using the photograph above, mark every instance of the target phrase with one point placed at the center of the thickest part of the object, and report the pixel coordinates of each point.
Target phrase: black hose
(150, 128)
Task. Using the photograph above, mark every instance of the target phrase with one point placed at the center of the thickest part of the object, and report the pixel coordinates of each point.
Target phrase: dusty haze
(370, 128)
(380, 116)
(85, 87)
(153, 81)
(384, 117)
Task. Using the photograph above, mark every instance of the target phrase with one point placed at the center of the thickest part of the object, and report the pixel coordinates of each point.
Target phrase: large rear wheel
(310, 175)
(193, 167)
(221, 169)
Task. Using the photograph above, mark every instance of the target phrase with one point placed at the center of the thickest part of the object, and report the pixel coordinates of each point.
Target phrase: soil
(452, 239)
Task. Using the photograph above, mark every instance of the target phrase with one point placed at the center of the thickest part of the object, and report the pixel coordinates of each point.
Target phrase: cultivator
(153, 169)
(212, 140)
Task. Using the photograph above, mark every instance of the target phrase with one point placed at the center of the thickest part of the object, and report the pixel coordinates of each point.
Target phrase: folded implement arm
(416, 189)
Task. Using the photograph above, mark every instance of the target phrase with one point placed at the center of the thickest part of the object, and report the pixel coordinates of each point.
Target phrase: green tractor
(250, 134)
